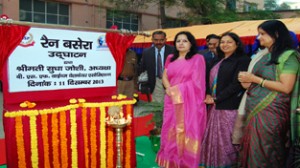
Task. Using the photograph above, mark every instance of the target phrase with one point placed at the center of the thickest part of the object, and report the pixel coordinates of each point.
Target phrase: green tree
(270, 5)
(211, 11)
(140, 4)
(201, 11)
(284, 6)
(259, 15)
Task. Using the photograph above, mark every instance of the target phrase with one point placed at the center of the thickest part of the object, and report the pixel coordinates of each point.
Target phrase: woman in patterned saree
(272, 87)
(184, 118)
(224, 94)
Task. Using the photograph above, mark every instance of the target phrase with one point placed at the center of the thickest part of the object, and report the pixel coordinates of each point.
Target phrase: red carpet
(142, 125)
(145, 97)
(2, 152)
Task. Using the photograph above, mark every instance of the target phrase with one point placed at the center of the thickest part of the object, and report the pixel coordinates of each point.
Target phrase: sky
(281, 1)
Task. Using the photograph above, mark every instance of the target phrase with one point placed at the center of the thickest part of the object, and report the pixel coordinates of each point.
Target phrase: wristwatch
(215, 99)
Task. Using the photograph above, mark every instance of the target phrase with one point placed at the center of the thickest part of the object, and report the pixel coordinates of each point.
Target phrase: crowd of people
(223, 108)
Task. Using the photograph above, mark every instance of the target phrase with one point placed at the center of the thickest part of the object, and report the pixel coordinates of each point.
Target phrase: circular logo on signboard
(27, 40)
(101, 41)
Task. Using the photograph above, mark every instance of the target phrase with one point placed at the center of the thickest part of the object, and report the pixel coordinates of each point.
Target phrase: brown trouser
(126, 88)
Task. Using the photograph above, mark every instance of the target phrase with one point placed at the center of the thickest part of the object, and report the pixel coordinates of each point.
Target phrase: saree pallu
(217, 150)
(184, 118)
(266, 132)
(238, 129)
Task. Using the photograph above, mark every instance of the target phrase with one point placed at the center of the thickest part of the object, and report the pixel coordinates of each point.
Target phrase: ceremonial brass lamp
(117, 121)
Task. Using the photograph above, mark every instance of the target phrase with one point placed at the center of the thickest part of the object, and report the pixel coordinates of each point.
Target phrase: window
(175, 23)
(1, 9)
(250, 7)
(231, 5)
(123, 20)
(44, 12)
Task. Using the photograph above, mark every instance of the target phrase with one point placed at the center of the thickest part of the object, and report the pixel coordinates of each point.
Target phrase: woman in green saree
(272, 99)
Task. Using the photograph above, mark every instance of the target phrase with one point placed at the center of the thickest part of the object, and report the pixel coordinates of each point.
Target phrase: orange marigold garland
(63, 139)
(93, 138)
(74, 138)
(128, 139)
(85, 137)
(44, 120)
(20, 142)
(55, 141)
(58, 137)
(102, 137)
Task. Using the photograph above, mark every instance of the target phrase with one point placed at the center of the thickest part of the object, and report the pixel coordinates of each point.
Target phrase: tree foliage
(284, 6)
(270, 5)
(260, 15)
(201, 11)
(143, 4)
(211, 11)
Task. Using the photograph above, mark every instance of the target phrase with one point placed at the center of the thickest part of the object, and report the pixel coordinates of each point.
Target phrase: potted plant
(155, 108)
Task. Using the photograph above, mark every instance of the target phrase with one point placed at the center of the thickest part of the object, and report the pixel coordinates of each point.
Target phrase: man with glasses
(212, 44)
(210, 56)
(153, 60)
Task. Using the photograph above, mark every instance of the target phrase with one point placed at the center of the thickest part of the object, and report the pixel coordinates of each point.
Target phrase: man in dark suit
(212, 43)
(155, 66)
(210, 56)
(206, 49)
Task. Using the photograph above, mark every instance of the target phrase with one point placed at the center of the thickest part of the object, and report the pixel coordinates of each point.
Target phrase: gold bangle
(263, 83)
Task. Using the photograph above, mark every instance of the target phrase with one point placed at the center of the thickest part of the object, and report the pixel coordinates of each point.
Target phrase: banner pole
(69, 27)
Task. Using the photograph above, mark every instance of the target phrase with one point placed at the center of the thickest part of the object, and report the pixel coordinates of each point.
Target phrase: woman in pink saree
(184, 118)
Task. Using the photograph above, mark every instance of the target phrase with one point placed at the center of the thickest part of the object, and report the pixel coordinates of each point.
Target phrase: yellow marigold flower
(73, 101)
(113, 97)
(135, 95)
(23, 105)
(81, 100)
(121, 96)
(31, 105)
